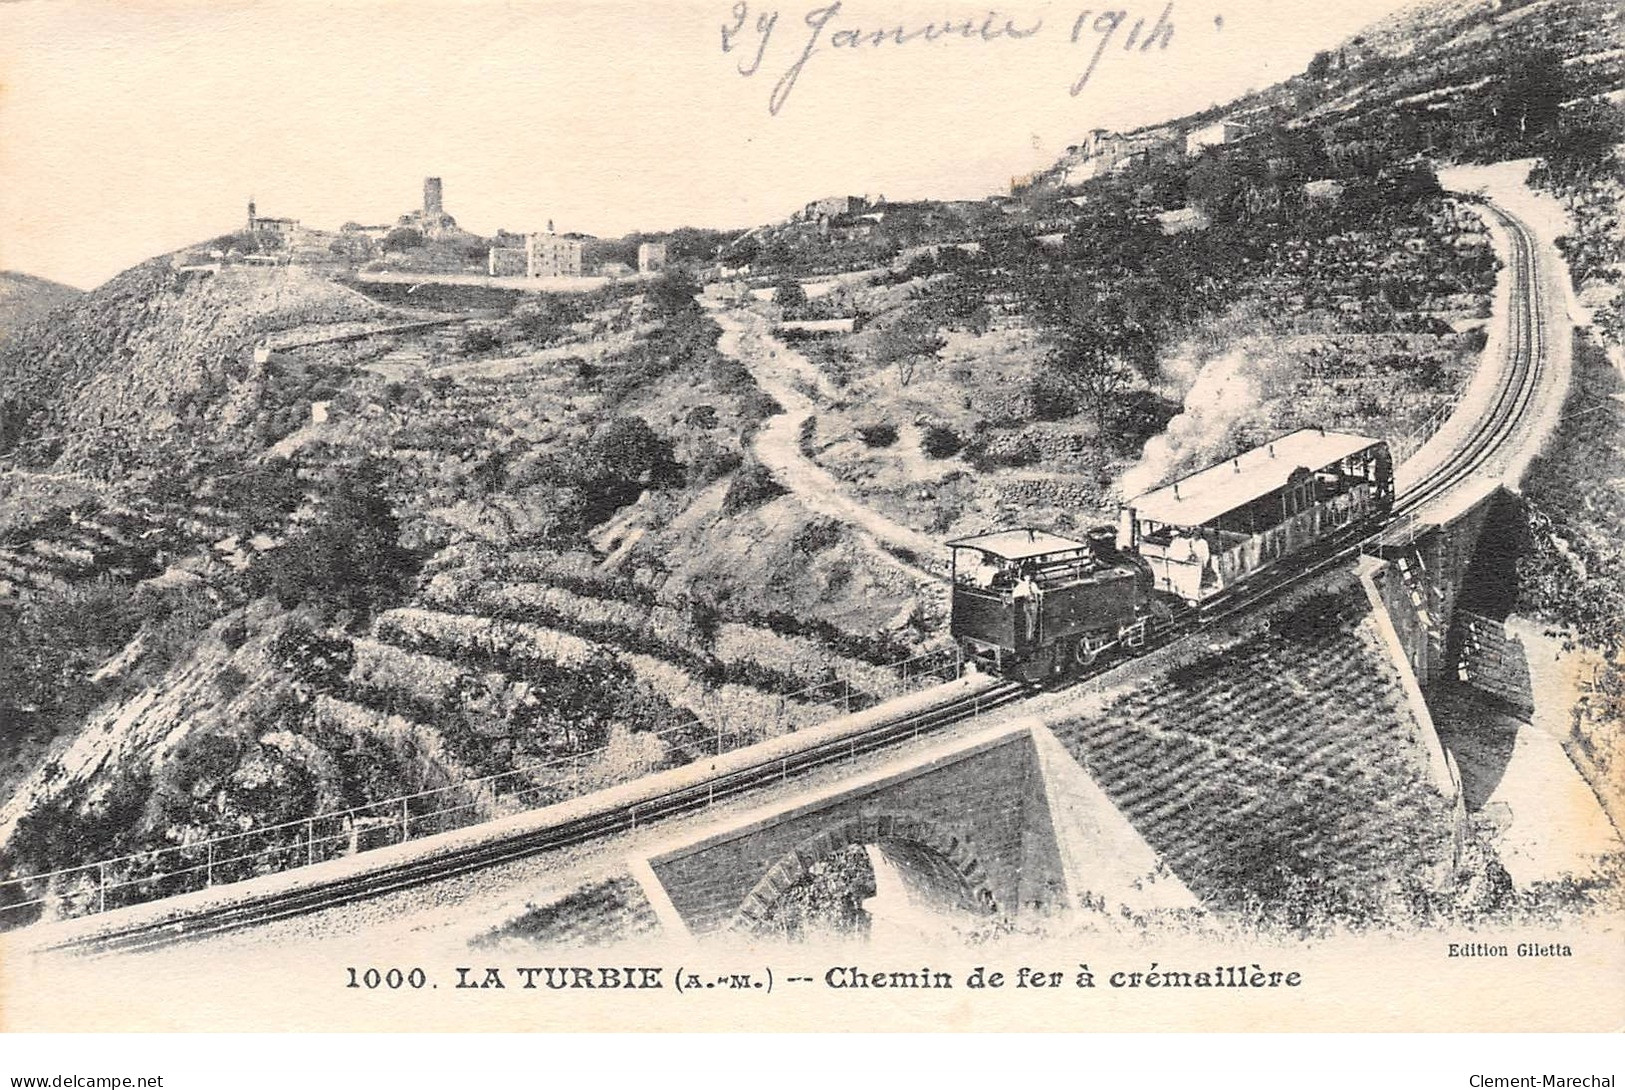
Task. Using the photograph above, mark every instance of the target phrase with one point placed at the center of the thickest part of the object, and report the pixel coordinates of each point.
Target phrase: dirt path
(787, 376)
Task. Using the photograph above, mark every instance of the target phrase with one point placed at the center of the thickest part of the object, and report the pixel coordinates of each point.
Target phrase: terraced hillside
(487, 564)
(1282, 776)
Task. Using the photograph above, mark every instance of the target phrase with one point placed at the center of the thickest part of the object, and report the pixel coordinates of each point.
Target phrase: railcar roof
(1019, 544)
(1218, 489)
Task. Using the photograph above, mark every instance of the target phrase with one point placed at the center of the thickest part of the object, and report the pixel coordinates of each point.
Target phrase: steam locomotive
(1036, 605)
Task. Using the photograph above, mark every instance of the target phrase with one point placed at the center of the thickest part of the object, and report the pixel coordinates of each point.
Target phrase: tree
(1215, 186)
(1098, 345)
(266, 493)
(1531, 96)
(1320, 65)
(1585, 141)
(632, 451)
(350, 558)
(790, 294)
(672, 293)
(907, 340)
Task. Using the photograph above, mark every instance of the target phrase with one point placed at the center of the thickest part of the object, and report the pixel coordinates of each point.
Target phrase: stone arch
(950, 849)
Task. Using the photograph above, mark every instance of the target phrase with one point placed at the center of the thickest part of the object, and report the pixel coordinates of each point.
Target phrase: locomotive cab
(1031, 604)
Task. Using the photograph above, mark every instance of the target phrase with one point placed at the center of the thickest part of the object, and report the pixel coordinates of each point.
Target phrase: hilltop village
(428, 243)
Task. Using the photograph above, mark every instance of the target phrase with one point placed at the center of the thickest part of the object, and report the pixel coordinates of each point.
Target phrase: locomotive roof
(1019, 544)
(1218, 489)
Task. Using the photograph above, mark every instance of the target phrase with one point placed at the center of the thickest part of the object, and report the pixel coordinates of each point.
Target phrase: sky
(130, 128)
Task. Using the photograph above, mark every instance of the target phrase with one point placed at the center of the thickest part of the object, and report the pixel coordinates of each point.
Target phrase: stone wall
(980, 816)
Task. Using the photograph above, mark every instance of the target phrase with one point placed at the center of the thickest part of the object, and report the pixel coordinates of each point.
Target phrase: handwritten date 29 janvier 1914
(752, 33)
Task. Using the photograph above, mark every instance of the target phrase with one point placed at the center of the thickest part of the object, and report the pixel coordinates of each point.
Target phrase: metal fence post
(846, 695)
(310, 840)
(101, 869)
(208, 867)
(403, 821)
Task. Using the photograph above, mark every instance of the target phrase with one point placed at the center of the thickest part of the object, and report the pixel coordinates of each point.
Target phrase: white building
(1212, 136)
(549, 255)
(651, 257)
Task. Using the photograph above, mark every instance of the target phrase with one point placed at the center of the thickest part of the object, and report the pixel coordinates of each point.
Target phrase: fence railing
(137, 877)
(1400, 533)
(1417, 438)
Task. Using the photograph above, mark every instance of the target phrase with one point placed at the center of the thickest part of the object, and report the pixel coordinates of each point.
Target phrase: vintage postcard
(844, 514)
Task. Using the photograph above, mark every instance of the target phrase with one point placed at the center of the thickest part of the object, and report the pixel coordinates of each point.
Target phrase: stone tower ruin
(431, 197)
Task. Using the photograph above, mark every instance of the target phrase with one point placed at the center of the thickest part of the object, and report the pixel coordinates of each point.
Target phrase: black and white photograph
(889, 515)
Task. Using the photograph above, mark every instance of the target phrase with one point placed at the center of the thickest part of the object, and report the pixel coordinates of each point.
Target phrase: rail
(142, 876)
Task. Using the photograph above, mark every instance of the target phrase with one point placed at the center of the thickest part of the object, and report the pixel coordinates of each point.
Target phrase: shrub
(878, 435)
(789, 294)
(546, 318)
(985, 453)
(712, 461)
(477, 339)
(229, 682)
(940, 442)
(1052, 398)
(672, 293)
(234, 633)
(752, 486)
(403, 238)
(816, 536)
(320, 661)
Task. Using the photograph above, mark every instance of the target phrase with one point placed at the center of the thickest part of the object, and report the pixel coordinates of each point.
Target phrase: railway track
(622, 818)
(1523, 374)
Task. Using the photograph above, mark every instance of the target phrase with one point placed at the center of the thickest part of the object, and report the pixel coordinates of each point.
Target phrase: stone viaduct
(983, 826)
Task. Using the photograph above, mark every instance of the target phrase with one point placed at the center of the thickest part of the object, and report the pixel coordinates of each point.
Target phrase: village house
(549, 255)
(1218, 134)
(651, 257)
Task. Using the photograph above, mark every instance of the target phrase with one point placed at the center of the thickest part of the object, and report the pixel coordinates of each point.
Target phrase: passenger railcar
(1032, 604)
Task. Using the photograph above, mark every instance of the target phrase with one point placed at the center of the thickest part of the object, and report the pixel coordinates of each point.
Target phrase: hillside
(277, 544)
(24, 298)
(511, 538)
